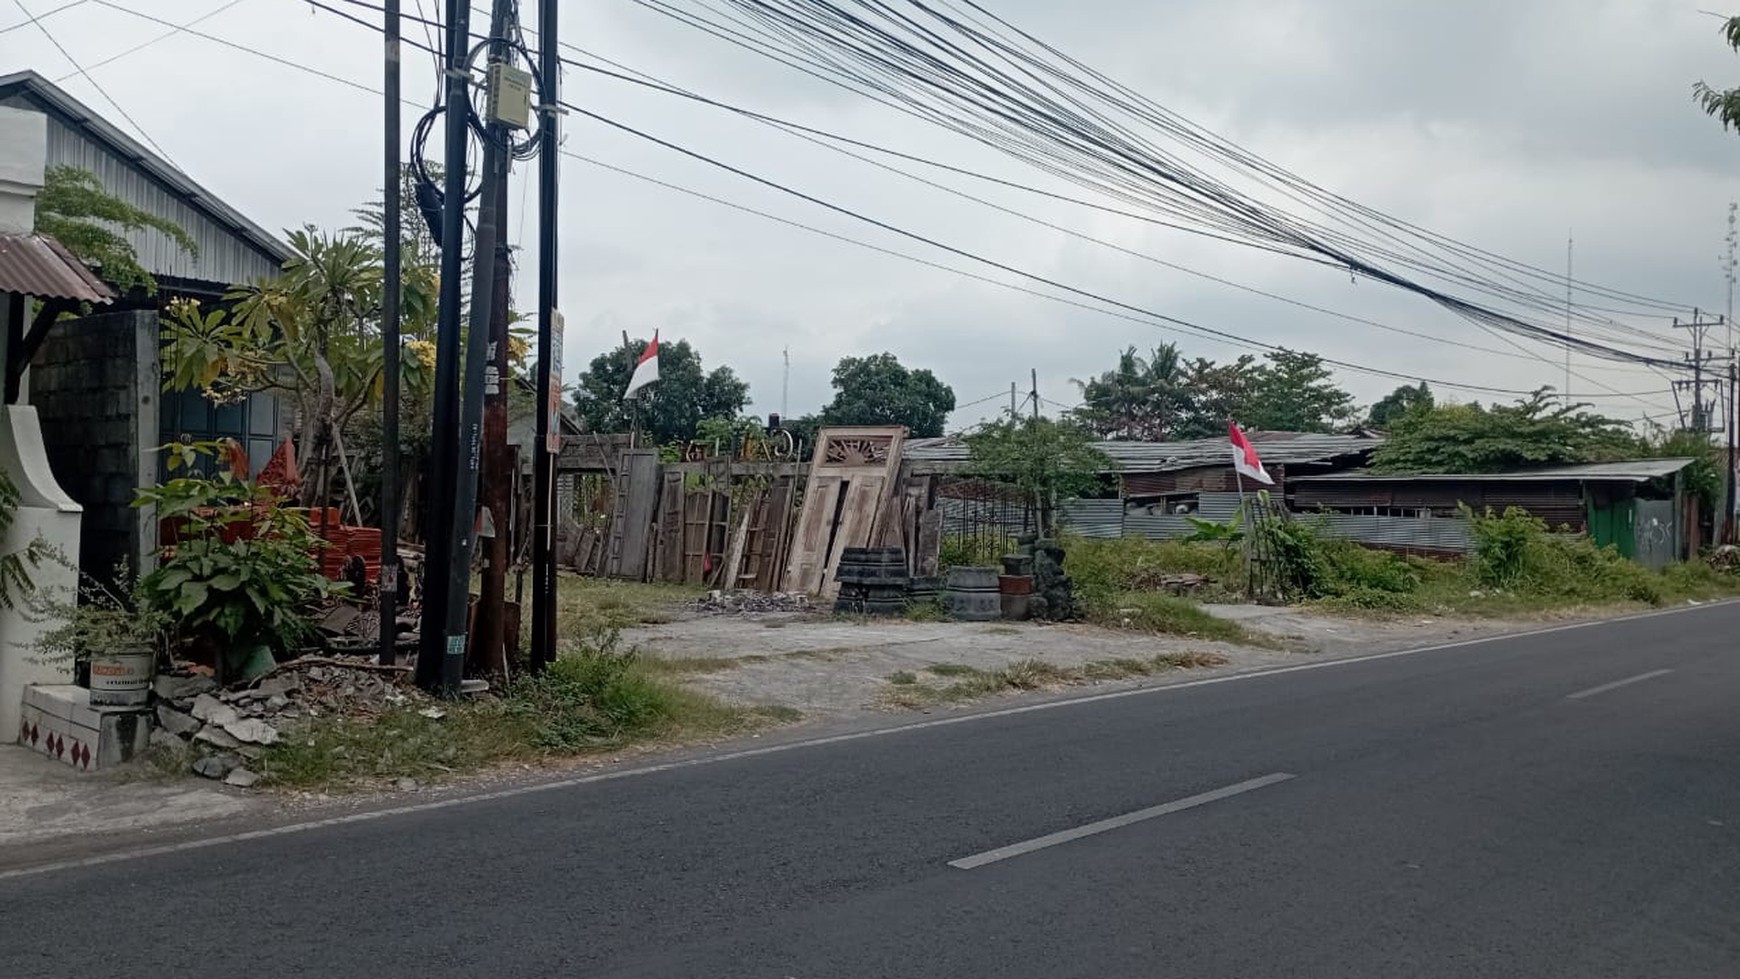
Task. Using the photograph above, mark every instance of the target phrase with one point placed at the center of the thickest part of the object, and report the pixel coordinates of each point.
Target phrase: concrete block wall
(96, 384)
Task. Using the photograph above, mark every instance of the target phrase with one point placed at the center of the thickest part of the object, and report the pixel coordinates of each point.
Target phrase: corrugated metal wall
(224, 256)
(1109, 519)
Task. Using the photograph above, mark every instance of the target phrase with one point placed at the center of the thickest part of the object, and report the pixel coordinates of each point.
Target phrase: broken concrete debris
(226, 728)
(753, 603)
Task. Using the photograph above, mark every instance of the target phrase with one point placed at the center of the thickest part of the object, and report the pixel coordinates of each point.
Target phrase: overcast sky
(1505, 125)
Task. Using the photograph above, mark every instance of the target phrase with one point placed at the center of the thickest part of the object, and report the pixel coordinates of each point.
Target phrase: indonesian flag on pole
(1245, 456)
(646, 370)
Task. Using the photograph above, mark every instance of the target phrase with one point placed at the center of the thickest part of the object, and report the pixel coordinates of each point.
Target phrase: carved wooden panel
(858, 450)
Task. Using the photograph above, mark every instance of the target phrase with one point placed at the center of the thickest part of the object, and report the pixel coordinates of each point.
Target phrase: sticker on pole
(553, 439)
(456, 645)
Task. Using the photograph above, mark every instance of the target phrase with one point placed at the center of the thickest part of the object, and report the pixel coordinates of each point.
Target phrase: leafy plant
(1212, 532)
(242, 576)
(93, 618)
(1536, 431)
(15, 567)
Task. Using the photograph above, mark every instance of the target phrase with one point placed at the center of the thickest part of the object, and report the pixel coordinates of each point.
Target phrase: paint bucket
(122, 677)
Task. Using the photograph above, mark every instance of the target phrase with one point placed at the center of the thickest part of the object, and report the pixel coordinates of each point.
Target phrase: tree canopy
(668, 410)
(879, 390)
(1407, 398)
(1469, 438)
(1163, 397)
(75, 210)
(1722, 103)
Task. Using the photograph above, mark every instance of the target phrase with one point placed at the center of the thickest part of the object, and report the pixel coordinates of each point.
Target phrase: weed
(599, 696)
(971, 683)
(1170, 615)
(588, 606)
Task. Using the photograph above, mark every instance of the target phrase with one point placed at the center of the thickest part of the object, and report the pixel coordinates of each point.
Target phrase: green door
(1613, 525)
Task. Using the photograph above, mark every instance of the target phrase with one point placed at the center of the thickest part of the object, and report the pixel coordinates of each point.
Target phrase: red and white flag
(646, 370)
(1245, 456)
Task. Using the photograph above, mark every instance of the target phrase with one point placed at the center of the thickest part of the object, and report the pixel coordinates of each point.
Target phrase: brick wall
(96, 386)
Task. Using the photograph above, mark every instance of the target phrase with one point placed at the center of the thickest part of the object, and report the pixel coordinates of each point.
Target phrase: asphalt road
(1559, 805)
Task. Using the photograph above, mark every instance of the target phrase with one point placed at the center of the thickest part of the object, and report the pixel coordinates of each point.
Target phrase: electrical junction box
(510, 95)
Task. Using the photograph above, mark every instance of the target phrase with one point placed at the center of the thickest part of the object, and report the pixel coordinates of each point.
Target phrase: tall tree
(1407, 398)
(1724, 103)
(1141, 399)
(1295, 392)
(670, 409)
(1536, 431)
(1218, 393)
(879, 390)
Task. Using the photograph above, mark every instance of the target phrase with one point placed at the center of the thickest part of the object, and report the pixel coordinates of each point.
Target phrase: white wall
(23, 156)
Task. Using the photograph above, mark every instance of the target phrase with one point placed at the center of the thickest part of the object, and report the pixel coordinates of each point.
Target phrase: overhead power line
(938, 67)
(141, 130)
(1176, 324)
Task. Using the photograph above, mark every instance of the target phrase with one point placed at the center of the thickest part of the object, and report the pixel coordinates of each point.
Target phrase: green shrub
(974, 551)
(595, 694)
(1103, 570)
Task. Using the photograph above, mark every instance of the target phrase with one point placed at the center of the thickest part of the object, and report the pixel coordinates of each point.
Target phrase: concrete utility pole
(390, 310)
(1701, 419)
(1035, 394)
(548, 448)
(486, 245)
(1568, 243)
(1014, 405)
(441, 654)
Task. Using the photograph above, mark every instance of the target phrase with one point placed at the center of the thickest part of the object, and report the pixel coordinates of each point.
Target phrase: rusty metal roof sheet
(1279, 448)
(1629, 471)
(40, 267)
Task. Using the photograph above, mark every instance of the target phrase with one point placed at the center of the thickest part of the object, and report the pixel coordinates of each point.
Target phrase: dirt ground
(824, 665)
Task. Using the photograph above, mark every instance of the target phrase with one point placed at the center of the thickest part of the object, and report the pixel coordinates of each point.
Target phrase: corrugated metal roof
(40, 267)
(233, 249)
(1634, 471)
(943, 454)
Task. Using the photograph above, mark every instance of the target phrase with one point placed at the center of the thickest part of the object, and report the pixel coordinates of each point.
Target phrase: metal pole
(1014, 405)
(1035, 394)
(470, 447)
(544, 595)
(436, 646)
(389, 580)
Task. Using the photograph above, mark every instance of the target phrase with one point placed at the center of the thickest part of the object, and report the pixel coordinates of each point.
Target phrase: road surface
(1562, 804)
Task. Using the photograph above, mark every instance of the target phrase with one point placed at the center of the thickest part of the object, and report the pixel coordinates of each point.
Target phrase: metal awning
(42, 268)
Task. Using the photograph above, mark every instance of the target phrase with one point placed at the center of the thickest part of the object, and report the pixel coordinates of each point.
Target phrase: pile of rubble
(753, 603)
(228, 729)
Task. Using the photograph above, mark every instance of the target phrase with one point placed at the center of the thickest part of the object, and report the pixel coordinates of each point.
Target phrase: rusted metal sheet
(40, 267)
(1437, 534)
(941, 455)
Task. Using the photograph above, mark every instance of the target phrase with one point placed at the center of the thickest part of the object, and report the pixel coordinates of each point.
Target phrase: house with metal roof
(95, 380)
(1640, 507)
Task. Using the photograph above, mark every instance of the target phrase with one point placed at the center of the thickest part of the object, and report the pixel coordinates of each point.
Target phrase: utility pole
(1702, 420)
(438, 645)
(1035, 394)
(490, 642)
(388, 583)
(485, 244)
(549, 447)
(785, 387)
(1014, 406)
(1733, 423)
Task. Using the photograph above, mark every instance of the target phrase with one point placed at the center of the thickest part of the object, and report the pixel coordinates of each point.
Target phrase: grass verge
(946, 683)
(591, 606)
(596, 699)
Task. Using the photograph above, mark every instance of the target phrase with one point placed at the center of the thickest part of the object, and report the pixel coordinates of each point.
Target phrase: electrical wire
(135, 49)
(1029, 115)
(94, 83)
(32, 21)
(1222, 336)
